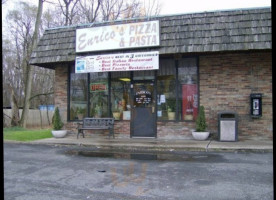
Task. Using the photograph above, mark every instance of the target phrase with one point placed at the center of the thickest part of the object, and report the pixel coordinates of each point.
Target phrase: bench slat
(96, 123)
(89, 128)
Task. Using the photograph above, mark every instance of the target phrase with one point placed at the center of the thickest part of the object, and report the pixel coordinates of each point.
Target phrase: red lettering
(98, 87)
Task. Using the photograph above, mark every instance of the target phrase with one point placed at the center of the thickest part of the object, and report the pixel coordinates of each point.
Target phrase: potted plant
(80, 113)
(171, 109)
(99, 111)
(116, 114)
(57, 131)
(201, 133)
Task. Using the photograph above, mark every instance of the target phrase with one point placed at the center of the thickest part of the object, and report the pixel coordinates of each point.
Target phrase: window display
(166, 92)
(98, 89)
(176, 91)
(120, 95)
(78, 96)
(187, 77)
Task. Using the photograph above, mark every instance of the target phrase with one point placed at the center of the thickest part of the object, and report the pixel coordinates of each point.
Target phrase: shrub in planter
(201, 133)
(57, 125)
(200, 120)
(171, 109)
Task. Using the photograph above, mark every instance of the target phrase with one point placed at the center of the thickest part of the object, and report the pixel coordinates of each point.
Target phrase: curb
(157, 148)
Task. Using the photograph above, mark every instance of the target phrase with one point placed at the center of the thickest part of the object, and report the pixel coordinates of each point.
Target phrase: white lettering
(81, 39)
(144, 40)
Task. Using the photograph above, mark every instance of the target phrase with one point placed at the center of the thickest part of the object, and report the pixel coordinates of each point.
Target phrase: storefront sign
(118, 62)
(143, 97)
(133, 35)
(98, 87)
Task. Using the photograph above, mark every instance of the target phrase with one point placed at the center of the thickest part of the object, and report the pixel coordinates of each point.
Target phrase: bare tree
(151, 8)
(68, 10)
(15, 47)
(120, 9)
(111, 9)
(15, 110)
(29, 68)
(42, 95)
(14, 53)
(4, 1)
(132, 9)
(90, 9)
(11, 82)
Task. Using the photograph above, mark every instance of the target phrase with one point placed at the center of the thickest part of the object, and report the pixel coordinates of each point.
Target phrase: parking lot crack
(208, 145)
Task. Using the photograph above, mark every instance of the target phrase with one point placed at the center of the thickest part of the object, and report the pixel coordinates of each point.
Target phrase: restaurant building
(152, 74)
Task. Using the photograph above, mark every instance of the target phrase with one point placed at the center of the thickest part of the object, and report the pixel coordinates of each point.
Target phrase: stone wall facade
(226, 82)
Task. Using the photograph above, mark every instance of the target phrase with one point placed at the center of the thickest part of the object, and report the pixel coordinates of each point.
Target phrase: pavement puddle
(191, 157)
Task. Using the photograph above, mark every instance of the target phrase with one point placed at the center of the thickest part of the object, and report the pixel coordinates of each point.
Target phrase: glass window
(120, 95)
(90, 97)
(188, 88)
(78, 95)
(98, 89)
(144, 75)
(166, 89)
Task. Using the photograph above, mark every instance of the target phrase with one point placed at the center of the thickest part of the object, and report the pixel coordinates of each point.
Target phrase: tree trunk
(28, 89)
(15, 110)
(40, 119)
(29, 68)
(47, 111)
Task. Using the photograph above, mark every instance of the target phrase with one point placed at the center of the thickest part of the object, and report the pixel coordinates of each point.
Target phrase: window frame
(177, 83)
(70, 67)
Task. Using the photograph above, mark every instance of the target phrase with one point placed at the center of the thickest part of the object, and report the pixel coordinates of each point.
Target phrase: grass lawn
(21, 134)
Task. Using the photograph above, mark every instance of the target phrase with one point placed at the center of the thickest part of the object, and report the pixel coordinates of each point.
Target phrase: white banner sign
(133, 35)
(118, 62)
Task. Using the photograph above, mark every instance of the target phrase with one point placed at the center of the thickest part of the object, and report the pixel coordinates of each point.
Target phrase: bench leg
(111, 132)
(80, 131)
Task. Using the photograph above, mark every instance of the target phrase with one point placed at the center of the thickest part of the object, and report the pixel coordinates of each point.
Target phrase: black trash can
(228, 126)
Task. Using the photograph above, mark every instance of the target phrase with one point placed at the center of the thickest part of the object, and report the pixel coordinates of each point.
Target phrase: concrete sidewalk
(164, 145)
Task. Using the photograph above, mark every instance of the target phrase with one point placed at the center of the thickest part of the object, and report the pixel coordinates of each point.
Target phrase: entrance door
(143, 111)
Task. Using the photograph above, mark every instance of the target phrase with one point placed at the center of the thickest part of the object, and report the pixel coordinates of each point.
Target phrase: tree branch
(42, 94)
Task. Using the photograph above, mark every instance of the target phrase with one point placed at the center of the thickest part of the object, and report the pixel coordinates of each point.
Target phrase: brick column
(61, 82)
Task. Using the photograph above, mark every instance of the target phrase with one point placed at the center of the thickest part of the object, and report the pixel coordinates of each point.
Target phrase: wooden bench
(96, 124)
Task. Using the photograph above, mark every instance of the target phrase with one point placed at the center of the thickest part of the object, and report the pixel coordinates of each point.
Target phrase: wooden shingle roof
(245, 29)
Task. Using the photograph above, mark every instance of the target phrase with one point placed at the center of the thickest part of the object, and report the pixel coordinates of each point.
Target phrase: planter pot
(171, 115)
(80, 116)
(59, 133)
(188, 117)
(200, 135)
(116, 115)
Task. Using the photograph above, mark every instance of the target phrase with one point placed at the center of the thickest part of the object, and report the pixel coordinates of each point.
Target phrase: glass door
(143, 123)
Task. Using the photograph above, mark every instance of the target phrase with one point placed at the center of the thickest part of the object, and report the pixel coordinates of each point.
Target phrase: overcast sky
(182, 6)
(188, 6)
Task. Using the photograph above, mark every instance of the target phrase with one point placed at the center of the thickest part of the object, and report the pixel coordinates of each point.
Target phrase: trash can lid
(227, 114)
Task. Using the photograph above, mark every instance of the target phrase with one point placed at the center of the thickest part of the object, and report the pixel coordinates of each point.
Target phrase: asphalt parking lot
(75, 172)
